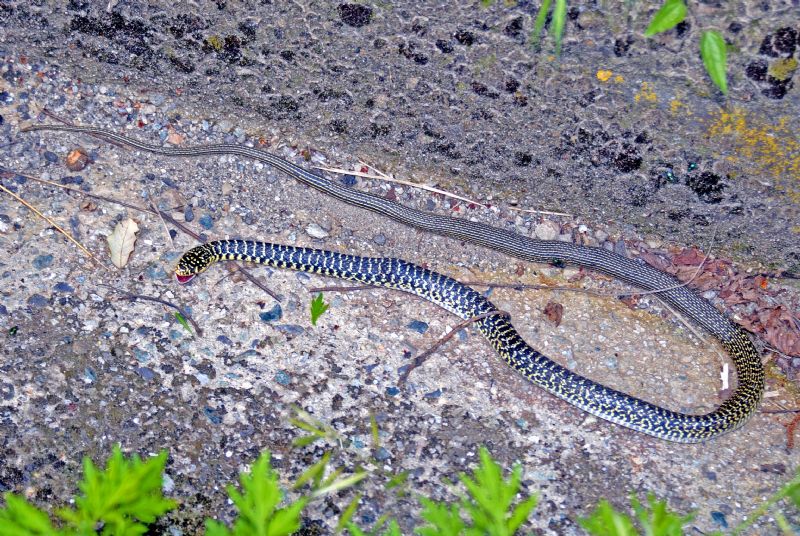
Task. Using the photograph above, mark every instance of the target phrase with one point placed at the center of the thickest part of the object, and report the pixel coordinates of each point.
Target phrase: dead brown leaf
(121, 242)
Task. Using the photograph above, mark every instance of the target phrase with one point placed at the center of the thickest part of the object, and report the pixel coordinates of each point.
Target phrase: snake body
(597, 399)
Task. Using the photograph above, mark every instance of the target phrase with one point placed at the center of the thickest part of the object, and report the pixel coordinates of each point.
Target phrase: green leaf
(659, 521)
(486, 3)
(318, 307)
(672, 13)
(22, 518)
(344, 519)
(397, 480)
(559, 19)
(605, 521)
(258, 504)
(182, 321)
(314, 472)
(340, 484)
(443, 519)
(541, 18)
(712, 50)
(491, 497)
(124, 497)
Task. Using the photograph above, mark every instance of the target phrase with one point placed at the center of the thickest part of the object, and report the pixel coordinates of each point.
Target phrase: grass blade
(670, 15)
(713, 52)
(538, 26)
(559, 19)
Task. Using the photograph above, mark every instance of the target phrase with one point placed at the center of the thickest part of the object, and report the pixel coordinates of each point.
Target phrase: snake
(594, 398)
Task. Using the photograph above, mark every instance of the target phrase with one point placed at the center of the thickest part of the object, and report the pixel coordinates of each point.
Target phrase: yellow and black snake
(590, 396)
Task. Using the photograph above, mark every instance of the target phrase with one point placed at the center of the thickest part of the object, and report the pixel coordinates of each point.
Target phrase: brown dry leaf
(121, 242)
(554, 311)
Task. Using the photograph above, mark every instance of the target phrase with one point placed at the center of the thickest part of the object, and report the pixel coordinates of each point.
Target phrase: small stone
(379, 239)
(349, 180)
(155, 271)
(418, 325)
(315, 231)
(6, 391)
(719, 519)
(63, 287)
(188, 213)
(42, 261)
(224, 340)
(601, 236)
(206, 222)
(77, 159)
(146, 373)
(37, 301)
(547, 230)
(250, 218)
(355, 15)
(283, 378)
(290, 329)
(392, 391)
(51, 157)
(382, 454)
(212, 415)
(433, 394)
(276, 313)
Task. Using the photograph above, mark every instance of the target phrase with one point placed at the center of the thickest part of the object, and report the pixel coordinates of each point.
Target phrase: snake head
(194, 262)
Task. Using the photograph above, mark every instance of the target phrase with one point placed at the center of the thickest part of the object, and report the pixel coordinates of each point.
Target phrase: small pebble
(146, 373)
(283, 378)
(379, 239)
(547, 230)
(188, 213)
(63, 287)
(433, 394)
(315, 231)
(392, 391)
(51, 157)
(42, 261)
(349, 180)
(154, 271)
(37, 301)
(212, 415)
(273, 314)
(206, 222)
(224, 340)
(418, 325)
(6, 391)
(719, 519)
(290, 329)
(382, 454)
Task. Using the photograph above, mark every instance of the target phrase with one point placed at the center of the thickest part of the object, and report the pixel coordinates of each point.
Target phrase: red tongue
(182, 279)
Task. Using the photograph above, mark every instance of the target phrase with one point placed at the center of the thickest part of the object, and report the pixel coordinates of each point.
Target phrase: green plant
(318, 307)
(126, 496)
(488, 504)
(656, 520)
(122, 499)
(257, 504)
(712, 44)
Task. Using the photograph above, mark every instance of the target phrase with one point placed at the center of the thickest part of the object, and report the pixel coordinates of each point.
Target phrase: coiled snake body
(592, 397)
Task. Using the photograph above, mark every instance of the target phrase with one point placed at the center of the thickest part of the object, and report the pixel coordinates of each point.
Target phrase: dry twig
(131, 296)
(54, 224)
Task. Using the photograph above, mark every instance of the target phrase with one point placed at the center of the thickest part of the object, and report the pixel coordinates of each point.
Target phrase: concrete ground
(650, 159)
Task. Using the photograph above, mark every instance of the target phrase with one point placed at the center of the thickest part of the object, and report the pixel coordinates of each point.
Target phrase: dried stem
(131, 296)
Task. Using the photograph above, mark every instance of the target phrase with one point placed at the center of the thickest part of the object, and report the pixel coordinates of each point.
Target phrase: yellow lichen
(215, 42)
(763, 148)
(646, 94)
(603, 75)
(619, 79)
(675, 106)
(783, 68)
